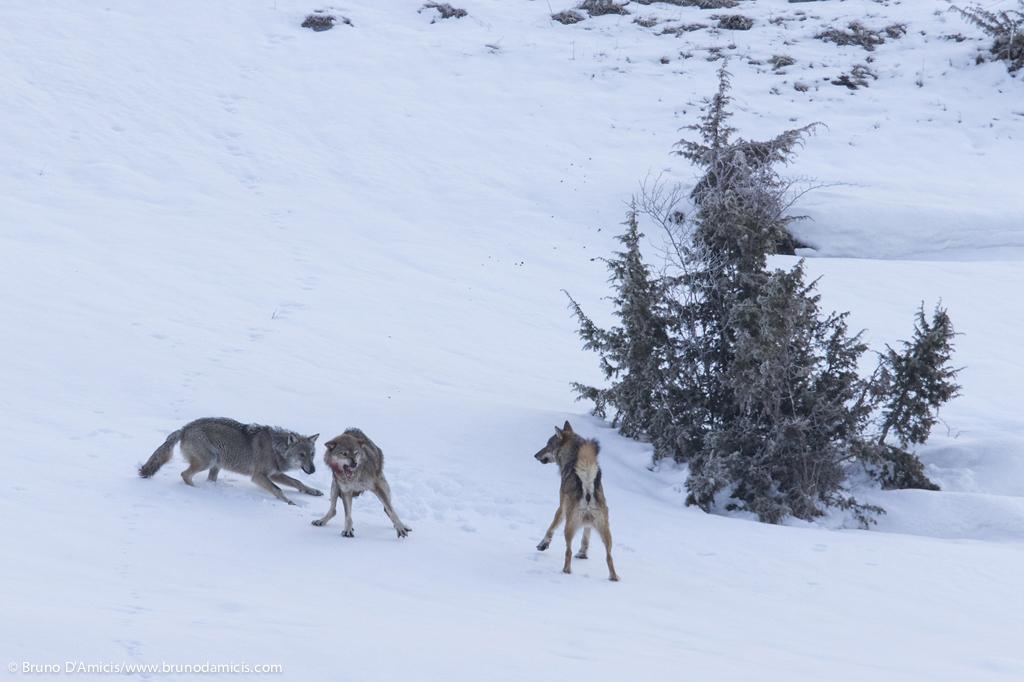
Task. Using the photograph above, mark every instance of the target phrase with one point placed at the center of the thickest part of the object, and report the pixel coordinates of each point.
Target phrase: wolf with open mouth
(357, 465)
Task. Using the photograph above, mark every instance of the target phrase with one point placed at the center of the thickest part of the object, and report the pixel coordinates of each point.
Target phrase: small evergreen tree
(741, 193)
(920, 378)
(796, 420)
(721, 251)
(734, 368)
(912, 384)
(631, 354)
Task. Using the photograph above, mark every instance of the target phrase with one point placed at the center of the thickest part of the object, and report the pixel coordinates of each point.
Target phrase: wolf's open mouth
(343, 467)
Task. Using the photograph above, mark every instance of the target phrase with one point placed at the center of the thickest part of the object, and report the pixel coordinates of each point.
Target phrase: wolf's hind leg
(570, 533)
(606, 537)
(262, 481)
(585, 544)
(212, 476)
(200, 457)
(383, 492)
(546, 542)
(194, 468)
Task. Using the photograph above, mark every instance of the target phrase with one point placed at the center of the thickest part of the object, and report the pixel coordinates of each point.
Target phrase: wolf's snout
(310, 469)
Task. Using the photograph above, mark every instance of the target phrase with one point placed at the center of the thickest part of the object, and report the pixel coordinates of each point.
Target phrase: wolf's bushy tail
(160, 456)
(587, 469)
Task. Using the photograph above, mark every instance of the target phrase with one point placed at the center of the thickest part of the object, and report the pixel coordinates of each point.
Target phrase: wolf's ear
(329, 445)
(292, 438)
(567, 427)
(558, 432)
(312, 439)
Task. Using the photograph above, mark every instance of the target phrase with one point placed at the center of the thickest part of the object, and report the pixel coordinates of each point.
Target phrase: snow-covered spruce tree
(796, 420)
(912, 383)
(740, 218)
(631, 354)
(721, 255)
(733, 367)
(741, 192)
(753, 386)
(782, 392)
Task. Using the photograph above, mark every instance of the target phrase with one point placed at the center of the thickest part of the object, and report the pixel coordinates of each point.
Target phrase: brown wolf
(358, 466)
(582, 501)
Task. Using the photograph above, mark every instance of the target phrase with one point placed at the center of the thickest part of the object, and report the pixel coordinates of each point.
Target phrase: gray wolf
(358, 466)
(581, 496)
(262, 452)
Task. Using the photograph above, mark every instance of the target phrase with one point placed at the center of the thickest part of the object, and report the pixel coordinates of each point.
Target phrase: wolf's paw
(403, 531)
(314, 492)
(348, 533)
(544, 544)
(613, 578)
(581, 555)
(567, 570)
(289, 501)
(318, 522)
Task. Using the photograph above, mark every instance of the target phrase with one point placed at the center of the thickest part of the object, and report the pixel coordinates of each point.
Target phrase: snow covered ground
(207, 210)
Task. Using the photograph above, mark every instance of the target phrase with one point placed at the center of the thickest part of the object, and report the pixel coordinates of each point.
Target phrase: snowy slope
(207, 210)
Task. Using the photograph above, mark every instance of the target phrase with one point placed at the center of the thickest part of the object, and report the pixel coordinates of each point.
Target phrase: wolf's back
(587, 469)
(357, 434)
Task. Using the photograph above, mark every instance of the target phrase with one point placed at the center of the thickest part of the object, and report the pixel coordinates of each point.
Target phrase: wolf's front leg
(285, 479)
(346, 500)
(262, 481)
(334, 505)
(546, 542)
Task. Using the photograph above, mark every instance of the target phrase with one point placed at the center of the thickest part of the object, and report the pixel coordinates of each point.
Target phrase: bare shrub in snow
(568, 17)
(444, 10)
(857, 78)
(896, 31)
(701, 4)
(681, 29)
(858, 34)
(1005, 27)
(781, 61)
(735, 22)
(323, 22)
(597, 8)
